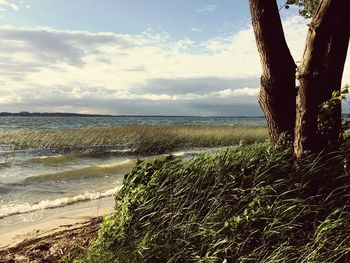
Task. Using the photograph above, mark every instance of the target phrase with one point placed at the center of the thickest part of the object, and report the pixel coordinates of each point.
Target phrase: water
(49, 123)
(37, 179)
(34, 180)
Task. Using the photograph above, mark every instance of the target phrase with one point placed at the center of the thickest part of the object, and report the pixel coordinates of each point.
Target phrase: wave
(4, 165)
(15, 209)
(4, 190)
(65, 158)
(198, 150)
(56, 159)
(90, 171)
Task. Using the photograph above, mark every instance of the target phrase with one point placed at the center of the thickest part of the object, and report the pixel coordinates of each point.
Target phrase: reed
(142, 139)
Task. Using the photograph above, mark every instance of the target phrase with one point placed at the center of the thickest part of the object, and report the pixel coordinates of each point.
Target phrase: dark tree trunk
(278, 92)
(320, 74)
(331, 78)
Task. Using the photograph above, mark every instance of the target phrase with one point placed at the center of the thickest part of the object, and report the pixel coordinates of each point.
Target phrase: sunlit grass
(142, 139)
(246, 204)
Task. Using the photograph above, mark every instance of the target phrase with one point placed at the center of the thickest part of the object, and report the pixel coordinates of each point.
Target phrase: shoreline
(51, 221)
(54, 246)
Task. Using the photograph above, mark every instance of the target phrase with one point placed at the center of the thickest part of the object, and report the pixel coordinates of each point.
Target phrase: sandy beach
(20, 237)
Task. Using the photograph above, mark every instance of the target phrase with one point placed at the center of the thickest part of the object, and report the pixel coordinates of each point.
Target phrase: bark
(319, 74)
(331, 78)
(278, 92)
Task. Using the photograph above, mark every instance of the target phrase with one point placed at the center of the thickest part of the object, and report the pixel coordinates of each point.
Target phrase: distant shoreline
(49, 114)
(68, 114)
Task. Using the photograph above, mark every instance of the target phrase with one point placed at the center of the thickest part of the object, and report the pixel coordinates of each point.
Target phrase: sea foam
(14, 209)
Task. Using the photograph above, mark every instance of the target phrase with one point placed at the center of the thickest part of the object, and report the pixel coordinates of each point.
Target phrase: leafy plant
(307, 8)
(325, 116)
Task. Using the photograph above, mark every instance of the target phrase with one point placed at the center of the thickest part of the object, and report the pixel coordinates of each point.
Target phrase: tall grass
(246, 204)
(142, 139)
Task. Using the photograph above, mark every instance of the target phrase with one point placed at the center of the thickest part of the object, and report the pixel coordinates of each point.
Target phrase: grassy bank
(142, 139)
(247, 204)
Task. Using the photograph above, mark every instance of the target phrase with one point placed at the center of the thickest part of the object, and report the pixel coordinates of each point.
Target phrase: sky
(134, 57)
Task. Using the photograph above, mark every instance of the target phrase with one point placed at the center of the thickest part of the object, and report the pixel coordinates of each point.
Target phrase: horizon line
(27, 113)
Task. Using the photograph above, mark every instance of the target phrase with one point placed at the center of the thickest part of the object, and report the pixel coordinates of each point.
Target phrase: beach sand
(49, 234)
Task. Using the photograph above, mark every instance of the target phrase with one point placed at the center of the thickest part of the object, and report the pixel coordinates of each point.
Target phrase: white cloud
(14, 6)
(221, 94)
(239, 92)
(196, 29)
(207, 9)
(60, 58)
(103, 71)
(8, 4)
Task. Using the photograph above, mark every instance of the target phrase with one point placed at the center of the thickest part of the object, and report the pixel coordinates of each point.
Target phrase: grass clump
(246, 204)
(141, 139)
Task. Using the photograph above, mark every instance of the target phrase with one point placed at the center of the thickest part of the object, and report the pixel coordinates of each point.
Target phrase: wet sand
(17, 229)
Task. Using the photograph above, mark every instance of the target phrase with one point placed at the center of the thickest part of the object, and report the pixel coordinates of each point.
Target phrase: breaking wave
(14, 209)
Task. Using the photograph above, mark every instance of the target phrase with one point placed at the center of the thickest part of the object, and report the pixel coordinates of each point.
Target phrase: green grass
(143, 139)
(246, 204)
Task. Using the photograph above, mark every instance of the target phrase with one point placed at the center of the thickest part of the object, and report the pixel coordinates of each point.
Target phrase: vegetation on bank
(246, 204)
(141, 139)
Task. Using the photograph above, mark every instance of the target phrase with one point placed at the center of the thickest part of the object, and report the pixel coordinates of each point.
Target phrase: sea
(39, 179)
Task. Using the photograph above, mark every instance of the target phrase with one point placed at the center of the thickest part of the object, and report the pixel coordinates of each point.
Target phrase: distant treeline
(68, 114)
(49, 114)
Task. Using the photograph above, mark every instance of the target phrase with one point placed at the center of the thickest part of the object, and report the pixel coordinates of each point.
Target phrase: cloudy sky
(158, 57)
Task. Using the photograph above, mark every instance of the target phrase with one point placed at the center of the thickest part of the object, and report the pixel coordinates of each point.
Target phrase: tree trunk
(331, 78)
(278, 92)
(319, 74)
